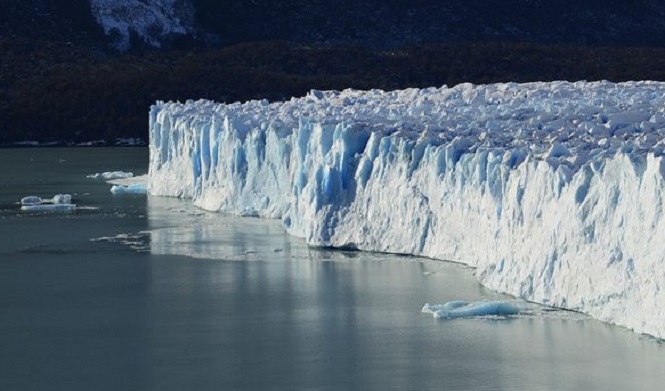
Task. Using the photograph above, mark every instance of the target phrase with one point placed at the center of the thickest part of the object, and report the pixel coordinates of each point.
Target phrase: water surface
(141, 293)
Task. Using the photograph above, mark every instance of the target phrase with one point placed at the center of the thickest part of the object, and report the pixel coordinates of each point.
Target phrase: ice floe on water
(464, 309)
(130, 180)
(110, 175)
(59, 203)
(497, 310)
(137, 188)
(130, 185)
(31, 200)
(123, 182)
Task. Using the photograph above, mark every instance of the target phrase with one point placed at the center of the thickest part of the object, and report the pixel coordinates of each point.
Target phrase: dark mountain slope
(59, 80)
(373, 23)
(390, 23)
(49, 20)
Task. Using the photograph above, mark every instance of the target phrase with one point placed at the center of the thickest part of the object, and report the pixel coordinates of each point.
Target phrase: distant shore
(65, 144)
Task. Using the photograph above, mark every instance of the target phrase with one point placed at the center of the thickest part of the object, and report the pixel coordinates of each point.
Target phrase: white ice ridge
(554, 191)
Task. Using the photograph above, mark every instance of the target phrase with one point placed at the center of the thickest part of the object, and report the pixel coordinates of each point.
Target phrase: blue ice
(136, 188)
(463, 309)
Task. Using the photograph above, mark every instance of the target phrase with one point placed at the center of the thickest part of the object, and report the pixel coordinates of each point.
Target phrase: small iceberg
(59, 203)
(464, 309)
(110, 175)
(49, 208)
(136, 188)
(31, 200)
(123, 182)
(130, 185)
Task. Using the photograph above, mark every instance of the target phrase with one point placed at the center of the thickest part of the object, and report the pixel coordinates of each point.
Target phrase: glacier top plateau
(554, 191)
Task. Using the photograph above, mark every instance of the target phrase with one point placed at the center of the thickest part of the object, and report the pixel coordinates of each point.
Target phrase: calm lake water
(143, 293)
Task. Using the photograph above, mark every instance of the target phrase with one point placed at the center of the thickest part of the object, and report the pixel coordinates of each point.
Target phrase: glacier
(553, 191)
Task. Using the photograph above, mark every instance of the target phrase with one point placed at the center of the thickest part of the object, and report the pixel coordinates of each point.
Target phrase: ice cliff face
(152, 21)
(553, 191)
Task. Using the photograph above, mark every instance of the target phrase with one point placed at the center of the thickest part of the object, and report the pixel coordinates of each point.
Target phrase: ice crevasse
(553, 191)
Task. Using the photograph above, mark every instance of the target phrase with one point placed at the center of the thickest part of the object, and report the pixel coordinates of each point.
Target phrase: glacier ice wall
(553, 191)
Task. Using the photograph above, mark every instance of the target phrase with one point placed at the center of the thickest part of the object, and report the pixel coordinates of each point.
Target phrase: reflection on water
(354, 322)
(206, 235)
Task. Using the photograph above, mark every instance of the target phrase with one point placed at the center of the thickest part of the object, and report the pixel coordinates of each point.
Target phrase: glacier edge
(570, 221)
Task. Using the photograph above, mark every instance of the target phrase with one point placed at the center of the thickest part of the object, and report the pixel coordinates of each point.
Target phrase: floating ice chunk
(462, 309)
(57, 199)
(49, 208)
(59, 203)
(110, 175)
(62, 199)
(138, 179)
(137, 188)
(31, 200)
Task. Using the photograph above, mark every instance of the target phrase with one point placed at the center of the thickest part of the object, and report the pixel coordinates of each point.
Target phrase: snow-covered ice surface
(150, 20)
(553, 191)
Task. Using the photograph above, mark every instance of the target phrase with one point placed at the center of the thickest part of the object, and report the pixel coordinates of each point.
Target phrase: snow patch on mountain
(152, 21)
